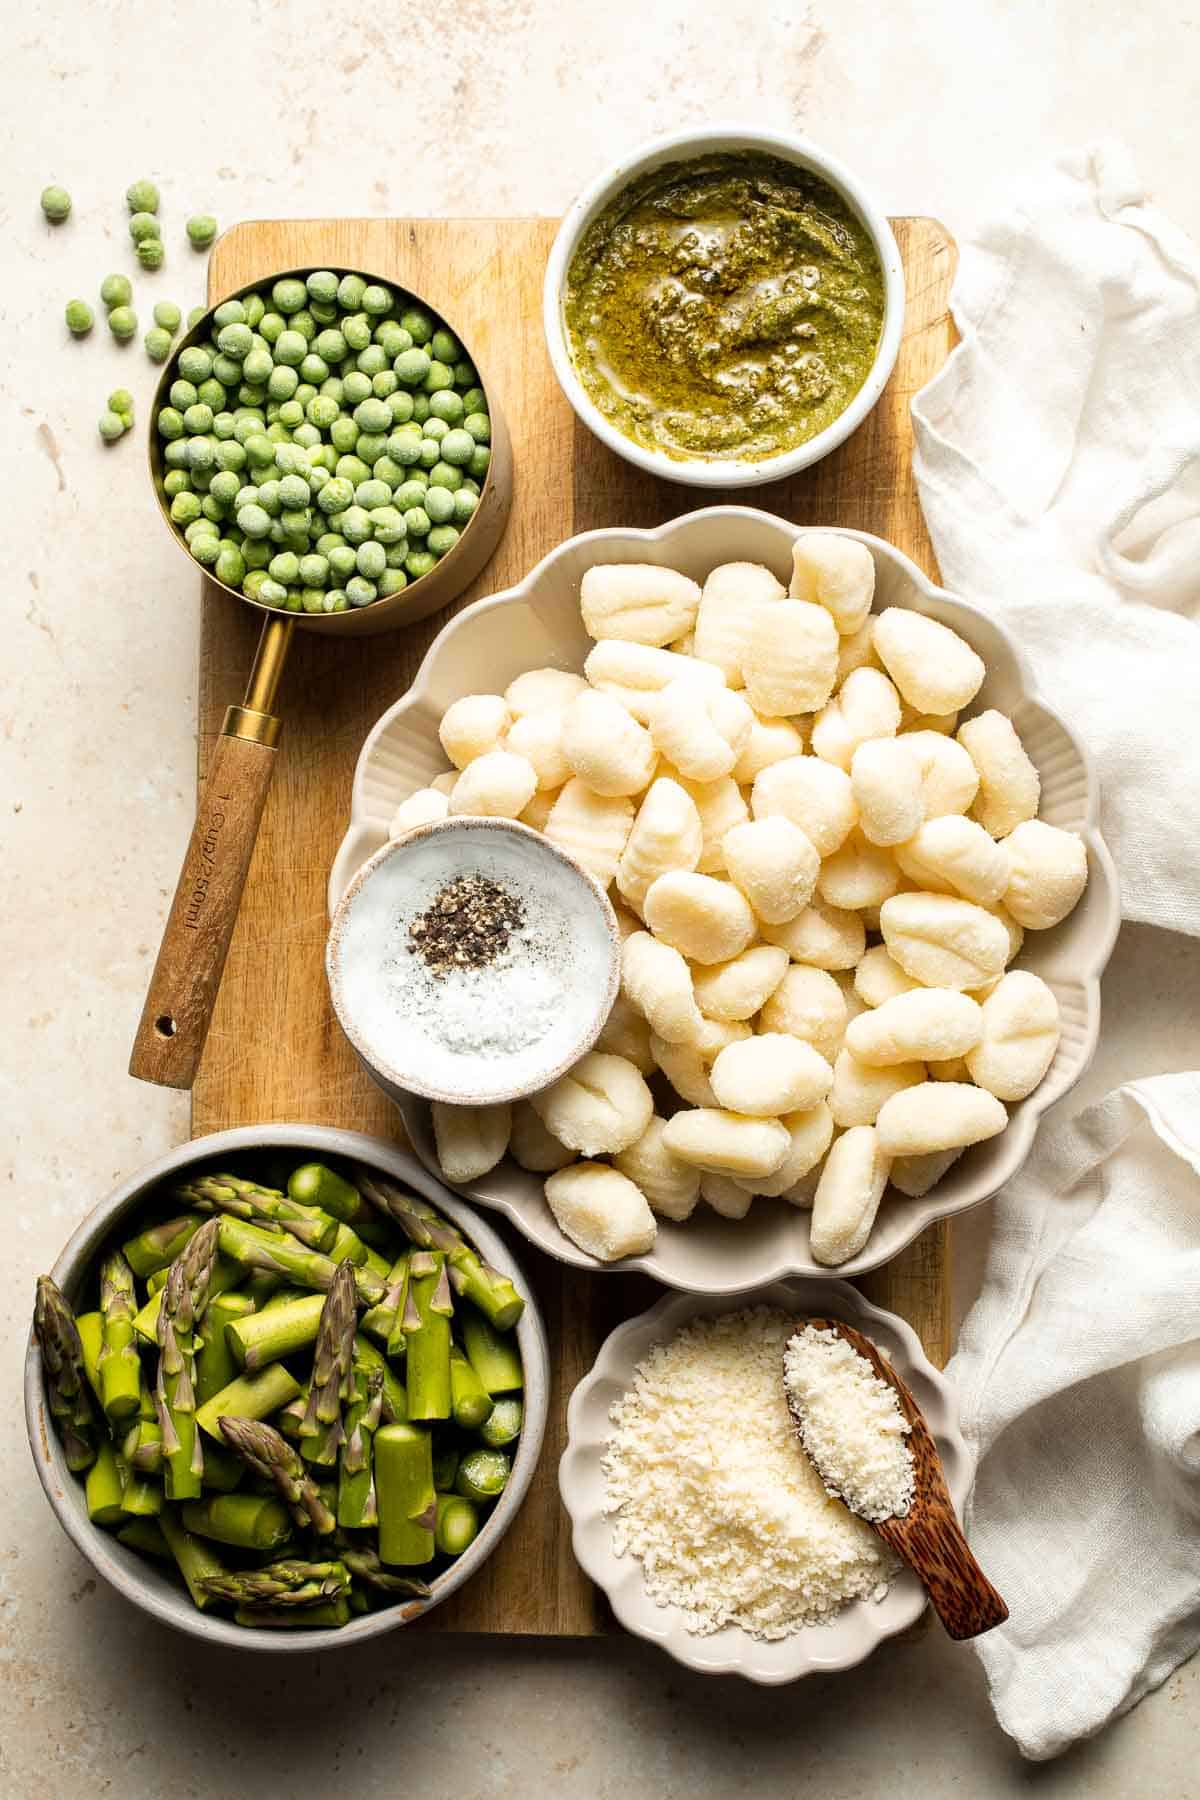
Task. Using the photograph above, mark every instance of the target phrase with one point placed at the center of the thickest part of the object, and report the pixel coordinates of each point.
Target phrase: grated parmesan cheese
(853, 1428)
(708, 1487)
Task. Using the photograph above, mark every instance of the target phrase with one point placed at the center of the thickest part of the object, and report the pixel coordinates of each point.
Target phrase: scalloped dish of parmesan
(709, 1489)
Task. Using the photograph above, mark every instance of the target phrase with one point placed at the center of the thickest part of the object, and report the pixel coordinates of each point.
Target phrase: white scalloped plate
(850, 1637)
(537, 623)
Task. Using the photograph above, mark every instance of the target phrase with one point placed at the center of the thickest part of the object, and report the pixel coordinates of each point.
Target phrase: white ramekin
(681, 146)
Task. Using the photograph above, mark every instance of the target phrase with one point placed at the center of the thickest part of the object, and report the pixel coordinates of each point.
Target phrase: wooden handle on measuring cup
(191, 958)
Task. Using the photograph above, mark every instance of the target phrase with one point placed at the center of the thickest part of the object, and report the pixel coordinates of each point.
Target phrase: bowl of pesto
(724, 307)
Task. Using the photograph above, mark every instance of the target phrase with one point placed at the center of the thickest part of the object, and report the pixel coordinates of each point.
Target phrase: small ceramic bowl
(156, 1590)
(401, 878)
(682, 147)
(847, 1639)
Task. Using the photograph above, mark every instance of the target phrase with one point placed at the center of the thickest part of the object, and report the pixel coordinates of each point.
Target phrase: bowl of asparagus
(283, 1389)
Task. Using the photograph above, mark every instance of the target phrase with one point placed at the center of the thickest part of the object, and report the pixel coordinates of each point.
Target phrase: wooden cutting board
(275, 1052)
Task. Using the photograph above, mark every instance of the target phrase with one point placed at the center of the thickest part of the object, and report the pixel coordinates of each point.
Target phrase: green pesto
(725, 307)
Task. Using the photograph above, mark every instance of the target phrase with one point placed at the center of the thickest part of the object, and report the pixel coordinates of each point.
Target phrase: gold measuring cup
(191, 959)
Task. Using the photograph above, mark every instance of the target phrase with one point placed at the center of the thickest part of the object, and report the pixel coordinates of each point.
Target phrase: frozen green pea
(212, 509)
(182, 394)
(304, 323)
(201, 230)
(318, 477)
(312, 600)
(469, 487)
(306, 434)
(351, 289)
(353, 469)
(144, 226)
(257, 553)
(419, 325)
(435, 428)
(314, 368)
(442, 539)
(355, 525)
(372, 415)
(332, 388)
(356, 329)
(420, 409)
(142, 196)
(230, 312)
(121, 401)
(392, 338)
(195, 363)
(336, 495)
(387, 524)
(417, 522)
(184, 507)
(258, 366)
(198, 418)
(112, 426)
(271, 326)
(201, 454)
(404, 446)
(247, 423)
(223, 424)
(251, 393)
(329, 540)
(357, 387)
(169, 422)
(293, 492)
(388, 471)
(80, 319)
(314, 570)
(252, 584)
(478, 427)
(212, 394)
(392, 581)
(371, 560)
(445, 346)
(418, 563)
(290, 459)
(481, 456)
(384, 385)
(336, 601)
(376, 299)
(206, 548)
(194, 316)
(411, 367)
(225, 487)
(254, 521)
(464, 505)
(465, 374)
(122, 322)
(438, 378)
(273, 593)
(446, 475)
(198, 527)
(321, 411)
(446, 407)
(372, 493)
(321, 285)
(370, 447)
(458, 447)
(282, 382)
(167, 315)
(326, 456)
(176, 481)
(430, 453)
(331, 345)
(175, 454)
(227, 371)
(201, 476)
(371, 360)
(296, 516)
(56, 204)
(343, 560)
(291, 414)
(256, 308)
(230, 566)
(247, 495)
(360, 591)
(291, 348)
(400, 405)
(285, 567)
(235, 341)
(157, 343)
(397, 552)
(304, 392)
(409, 494)
(439, 504)
(474, 401)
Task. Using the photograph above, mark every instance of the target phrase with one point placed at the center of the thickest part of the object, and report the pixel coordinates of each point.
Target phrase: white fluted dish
(537, 623)
(847, 1639)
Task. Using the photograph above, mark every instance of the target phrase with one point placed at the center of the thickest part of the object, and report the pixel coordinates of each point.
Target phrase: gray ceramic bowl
(138, 1579)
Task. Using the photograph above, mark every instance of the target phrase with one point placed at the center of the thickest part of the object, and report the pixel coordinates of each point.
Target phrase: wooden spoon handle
(187, 976)
(961, 1594)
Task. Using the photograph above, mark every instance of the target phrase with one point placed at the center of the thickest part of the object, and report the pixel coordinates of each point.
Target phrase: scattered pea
(144, 225)
(167, 315)
(122, 322)
(121, 401)
(116, 290)
(201, 230)
(112, 426)
(80, 317)
(150, 253)
(56, 204)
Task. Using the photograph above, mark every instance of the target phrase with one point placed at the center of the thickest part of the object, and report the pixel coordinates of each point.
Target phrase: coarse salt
(708, 1487)
(852, 1426)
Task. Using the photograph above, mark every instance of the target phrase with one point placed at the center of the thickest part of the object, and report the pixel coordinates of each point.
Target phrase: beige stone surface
(249, 109)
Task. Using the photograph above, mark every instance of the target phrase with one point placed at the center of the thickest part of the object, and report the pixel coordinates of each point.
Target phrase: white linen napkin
(1078, 1374)
(1058, 460)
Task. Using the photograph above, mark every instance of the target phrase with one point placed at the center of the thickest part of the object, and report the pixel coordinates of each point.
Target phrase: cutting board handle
(187, 976)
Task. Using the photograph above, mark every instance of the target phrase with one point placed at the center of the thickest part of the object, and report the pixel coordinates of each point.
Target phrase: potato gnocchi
(822, 872)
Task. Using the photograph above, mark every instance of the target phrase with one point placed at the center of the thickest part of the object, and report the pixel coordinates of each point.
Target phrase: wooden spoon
(929, 1536)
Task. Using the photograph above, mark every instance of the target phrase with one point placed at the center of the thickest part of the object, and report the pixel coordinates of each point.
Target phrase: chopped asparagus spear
(183, 1303)
(492, 1354)
(247, 1521)
(357, 1506)
(142, 1447)
(315, 1185)
(331, 1613)
(104, 1488)
(119, 1365)
(145, 1535)
(289, 1583)
(248, 1397)
(194, 1558)
(284, 1255)
(225, 1275)
(90, 1327)
(322, 1429)
(157, 1247)
(404, 1485)
(504, 1425)
(261, 1206)
(426, 1322)
(457, 1524)
(428, 1230)
(215, 1364)
(277, 1331)
(266, 1453)
(64, 1369)
(141, 1495)
(471, 1404)
(395, 1398)
(482, 1475)
(383, 1321)
(364, 1564)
